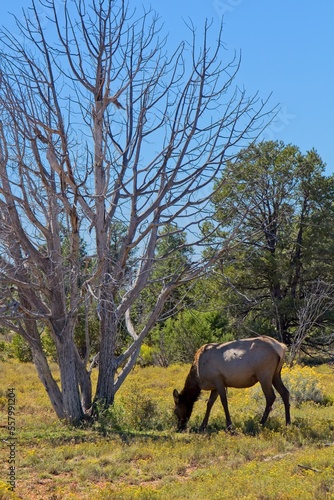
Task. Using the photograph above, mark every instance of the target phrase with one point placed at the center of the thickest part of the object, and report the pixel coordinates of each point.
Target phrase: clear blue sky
(287, 48)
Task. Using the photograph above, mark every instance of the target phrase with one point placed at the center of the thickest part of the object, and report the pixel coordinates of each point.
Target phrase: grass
(134, 452)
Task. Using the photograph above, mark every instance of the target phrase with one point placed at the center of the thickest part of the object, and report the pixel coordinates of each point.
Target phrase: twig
(308, 468)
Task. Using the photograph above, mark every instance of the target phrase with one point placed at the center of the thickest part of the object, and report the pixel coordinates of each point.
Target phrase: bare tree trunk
(85, 383)
(73, 410)
(316, 303)
(105, 390)
(48, 381)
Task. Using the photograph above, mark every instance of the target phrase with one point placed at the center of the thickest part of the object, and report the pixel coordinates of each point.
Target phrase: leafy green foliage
(135, 412)
(279, 203)
(6, 350)
(177, 339)
(171, 258)
(21, 349)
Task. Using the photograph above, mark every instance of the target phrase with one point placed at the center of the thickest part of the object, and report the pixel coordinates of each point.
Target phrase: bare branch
(106, 131)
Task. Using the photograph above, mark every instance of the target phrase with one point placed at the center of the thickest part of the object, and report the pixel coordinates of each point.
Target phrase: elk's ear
(176, 396)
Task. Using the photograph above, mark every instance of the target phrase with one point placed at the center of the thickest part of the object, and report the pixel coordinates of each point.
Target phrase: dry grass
(136, 453)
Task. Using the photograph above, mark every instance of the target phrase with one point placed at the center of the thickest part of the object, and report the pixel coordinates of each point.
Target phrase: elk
(239, 363)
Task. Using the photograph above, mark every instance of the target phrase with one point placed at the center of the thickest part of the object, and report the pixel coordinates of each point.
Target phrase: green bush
(134, 412)
(146, 356)
(21, 349)
(6, 350)
(178, 338)
(142, 412)
(304, 385)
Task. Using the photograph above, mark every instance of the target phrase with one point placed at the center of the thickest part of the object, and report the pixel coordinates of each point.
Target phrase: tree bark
(73, 411)
(105, 390)
(48, 381)
(85, 383)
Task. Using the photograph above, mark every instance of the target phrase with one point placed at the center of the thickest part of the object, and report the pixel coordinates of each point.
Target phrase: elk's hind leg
(270, 396)
(223, 397)
(285, 395)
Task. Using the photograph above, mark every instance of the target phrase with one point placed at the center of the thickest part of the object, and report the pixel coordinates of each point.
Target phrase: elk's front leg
(210, 403)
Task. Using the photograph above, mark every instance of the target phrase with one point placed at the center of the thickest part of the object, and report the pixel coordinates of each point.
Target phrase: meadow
(134, 451)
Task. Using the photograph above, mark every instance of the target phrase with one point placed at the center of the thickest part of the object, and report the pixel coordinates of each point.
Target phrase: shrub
(146, 356)
(6, 350)
(304, 385)
(135, 411)
(111, 418)
(21, 349)
(142, 412)
(178, 338)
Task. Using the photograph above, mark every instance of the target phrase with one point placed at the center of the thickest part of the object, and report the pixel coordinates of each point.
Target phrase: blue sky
(287, 48)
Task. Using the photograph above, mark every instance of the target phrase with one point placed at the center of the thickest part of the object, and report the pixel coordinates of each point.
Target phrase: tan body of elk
(240, 363)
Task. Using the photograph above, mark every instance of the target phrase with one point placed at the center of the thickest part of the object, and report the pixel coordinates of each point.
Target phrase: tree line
(277, 277)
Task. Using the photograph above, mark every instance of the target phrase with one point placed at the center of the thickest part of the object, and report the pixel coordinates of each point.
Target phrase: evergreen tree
(282, 203)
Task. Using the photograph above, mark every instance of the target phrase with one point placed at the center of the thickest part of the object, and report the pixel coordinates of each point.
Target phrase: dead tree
(103, 124)
(316, 304)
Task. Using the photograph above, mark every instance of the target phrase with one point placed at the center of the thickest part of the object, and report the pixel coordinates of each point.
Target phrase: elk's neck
(192, 388)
